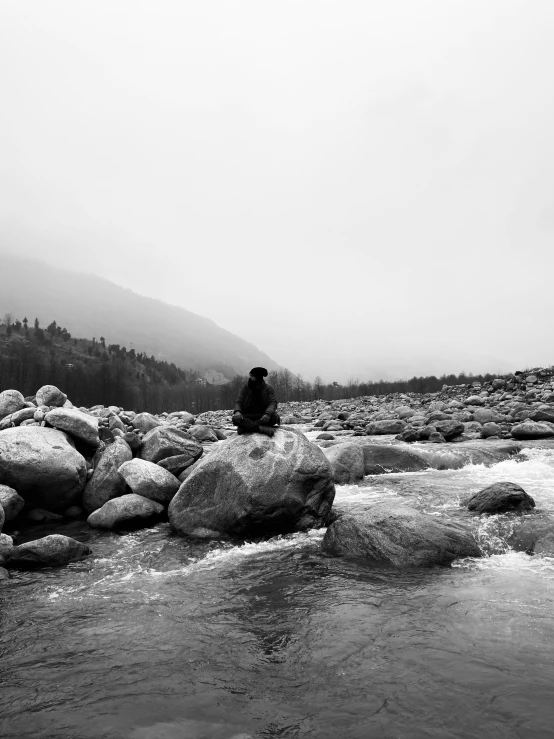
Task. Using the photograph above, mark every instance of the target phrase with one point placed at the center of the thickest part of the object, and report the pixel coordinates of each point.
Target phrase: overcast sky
(360, 188)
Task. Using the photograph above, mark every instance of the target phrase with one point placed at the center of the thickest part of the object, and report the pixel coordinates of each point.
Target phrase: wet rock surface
(500, 498)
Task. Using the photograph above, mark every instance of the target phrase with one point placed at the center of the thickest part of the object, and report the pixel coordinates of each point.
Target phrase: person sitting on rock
(255, 405)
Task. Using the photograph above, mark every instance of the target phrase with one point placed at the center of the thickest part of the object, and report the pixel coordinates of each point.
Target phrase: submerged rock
(380, 459)
(50, 551)
(130, 511)
(347, 462)
(105, 482)
(499, 498)
(41, 464)
(150, 480)
(400, 536)
(254, 485)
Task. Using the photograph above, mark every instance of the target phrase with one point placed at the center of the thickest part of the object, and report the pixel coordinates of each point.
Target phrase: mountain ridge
(91, 305)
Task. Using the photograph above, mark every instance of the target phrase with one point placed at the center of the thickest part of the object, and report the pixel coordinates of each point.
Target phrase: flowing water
(155, 637)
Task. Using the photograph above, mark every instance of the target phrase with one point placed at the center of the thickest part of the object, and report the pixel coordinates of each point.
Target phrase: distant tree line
(93, 371)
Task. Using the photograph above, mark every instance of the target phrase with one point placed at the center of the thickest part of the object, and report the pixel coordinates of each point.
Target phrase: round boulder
(150, 480)
(6, 548)
(253, 485)
(50, 395)
(50, 551)
(127, 512)
(532, 430)
(203, 433)
(44, 468)
(76, 423)
(500, 498)
(10, 402)
(400, 536)
(145, 422)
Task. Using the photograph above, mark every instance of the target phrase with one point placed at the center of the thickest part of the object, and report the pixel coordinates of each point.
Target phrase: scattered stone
(50, 395)
(145, 422)
(532, 430)
(50, 551)
(128, 512)
(11, 502)
(133, 441)
(400, 536)
(490, 429)
(150, 480)
(106, 483)
(4, 574)
(388, 426)
(10, 402)
(176, 464)
(80, 425)
(254, 485)
(500, 498)
(41, 516)
(6, 546)
(450, 429)
(168, 441)
(203, 433)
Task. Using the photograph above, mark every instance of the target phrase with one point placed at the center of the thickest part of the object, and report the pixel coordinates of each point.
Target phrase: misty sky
(360, 188)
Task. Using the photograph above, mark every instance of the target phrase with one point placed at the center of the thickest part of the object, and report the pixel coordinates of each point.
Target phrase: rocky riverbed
(124, 470)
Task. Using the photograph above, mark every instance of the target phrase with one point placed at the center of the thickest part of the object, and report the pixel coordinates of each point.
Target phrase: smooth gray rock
(128, 512)
(532, 430)
(388, 426)
(145, 422)
(42, 516)
(76, 423)
(474, 400)
(11, 502)
(150, 480)
(347, 462)
(50, 395)
(449, 429)
(490, 429)
(203, 433)
(168, 441)
(10, 402)
(50, 551)
(106, 483)
(176, 464)
(14, 419)
(400, 536)
(4, 574)
(254, 485)
(6, 547)
(500, 498)
(44, 468)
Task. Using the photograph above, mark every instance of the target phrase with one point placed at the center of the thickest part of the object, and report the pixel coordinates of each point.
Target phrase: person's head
(256, 376)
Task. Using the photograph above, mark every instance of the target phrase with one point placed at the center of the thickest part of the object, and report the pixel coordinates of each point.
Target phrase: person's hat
(258, 372)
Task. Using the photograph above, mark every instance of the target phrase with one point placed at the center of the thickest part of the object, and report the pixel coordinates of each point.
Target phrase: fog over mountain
(89, 306)
(359, 189)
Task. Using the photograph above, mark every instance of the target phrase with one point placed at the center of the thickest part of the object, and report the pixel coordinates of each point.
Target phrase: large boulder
(387, 426)
(106, 483)
(500, 498)
(11, 502)
(532, 430)
(50, 551)
(44, 468)
(76, 423)
(168, 441)
(145, 422)
(347, 462)
(10, 401)
(543, 414)
(380, 459)
(255, 485)
(400, 536)
(150, 480)
(50, 395)
(128, 512)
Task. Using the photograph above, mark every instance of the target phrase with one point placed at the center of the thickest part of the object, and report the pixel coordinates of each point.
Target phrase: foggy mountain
(88, 305)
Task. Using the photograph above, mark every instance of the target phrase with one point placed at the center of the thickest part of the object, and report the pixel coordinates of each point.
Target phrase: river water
(156, 637)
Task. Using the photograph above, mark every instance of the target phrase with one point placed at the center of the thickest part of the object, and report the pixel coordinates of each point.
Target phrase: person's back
(256, 405)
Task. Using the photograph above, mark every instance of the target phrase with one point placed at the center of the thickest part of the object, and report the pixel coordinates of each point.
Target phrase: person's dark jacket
(261, 400)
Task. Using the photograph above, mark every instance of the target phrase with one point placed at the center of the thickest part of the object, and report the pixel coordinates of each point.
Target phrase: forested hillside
(89, 306)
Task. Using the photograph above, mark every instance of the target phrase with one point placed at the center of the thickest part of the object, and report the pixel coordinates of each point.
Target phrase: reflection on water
(159, 637)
